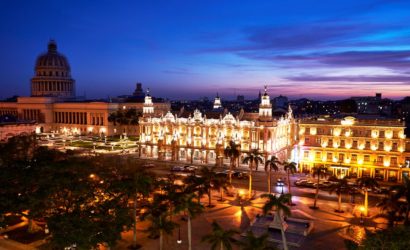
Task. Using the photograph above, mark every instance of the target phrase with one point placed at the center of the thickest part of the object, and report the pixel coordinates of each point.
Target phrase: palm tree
(232, 151)
(222, 184)
(141, 185)
(158, 214)
(195, 184)
(319, 172)
(403, 190)
(208, 175)
(280, 205)
(252, 242)
(253, 159)
(220, 237)
(192, 209)
(340, 187)
(366, 183)
(270, 165)
(290, 168)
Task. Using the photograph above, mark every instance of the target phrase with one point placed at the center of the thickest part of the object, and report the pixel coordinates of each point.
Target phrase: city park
(90, 193)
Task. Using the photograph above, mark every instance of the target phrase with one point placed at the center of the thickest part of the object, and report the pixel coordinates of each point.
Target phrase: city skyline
(186, 51)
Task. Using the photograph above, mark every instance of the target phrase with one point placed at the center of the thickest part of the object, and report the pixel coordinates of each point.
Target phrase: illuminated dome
(52, 75)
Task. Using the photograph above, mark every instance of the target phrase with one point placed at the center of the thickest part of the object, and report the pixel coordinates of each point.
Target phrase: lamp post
(282, 190)
(362, 209)
(179, 241)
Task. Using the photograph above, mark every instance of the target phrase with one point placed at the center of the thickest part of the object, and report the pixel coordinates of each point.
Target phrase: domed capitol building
(53, 103)
(348, 146)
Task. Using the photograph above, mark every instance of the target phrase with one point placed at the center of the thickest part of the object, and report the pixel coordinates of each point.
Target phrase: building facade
(355, 148)
(198, 139)
(54, 107)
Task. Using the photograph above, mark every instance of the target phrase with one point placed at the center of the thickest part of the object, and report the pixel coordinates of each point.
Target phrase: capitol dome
(52, 74)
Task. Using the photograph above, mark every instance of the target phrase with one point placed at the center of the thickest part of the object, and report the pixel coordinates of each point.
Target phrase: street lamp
(282, 190)
(179, 241)
(362, 209)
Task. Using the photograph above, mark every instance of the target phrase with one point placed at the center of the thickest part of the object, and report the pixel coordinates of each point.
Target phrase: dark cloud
(375, 80)
(388, 59)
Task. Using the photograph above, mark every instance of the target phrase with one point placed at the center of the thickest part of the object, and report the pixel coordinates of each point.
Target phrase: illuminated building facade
(199, 139)
(53, 106)
(356, 148)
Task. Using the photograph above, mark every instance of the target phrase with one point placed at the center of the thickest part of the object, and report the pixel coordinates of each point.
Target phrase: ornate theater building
(354, 147)
(54, 107)
(202, 138)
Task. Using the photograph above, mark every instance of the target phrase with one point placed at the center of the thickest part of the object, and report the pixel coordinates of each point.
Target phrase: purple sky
(188, 49)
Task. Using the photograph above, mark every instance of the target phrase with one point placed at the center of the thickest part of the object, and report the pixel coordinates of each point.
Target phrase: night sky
(188, 49)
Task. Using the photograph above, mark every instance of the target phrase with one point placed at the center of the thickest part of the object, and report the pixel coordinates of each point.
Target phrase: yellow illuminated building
(356, 148)
(196, 138)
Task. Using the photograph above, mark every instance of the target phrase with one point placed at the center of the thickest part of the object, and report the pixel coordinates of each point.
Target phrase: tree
(86, 209)
(192, 209)
(366, 183)
(253, 242)
(279, 203)
(271, 164)
(222, 184)
(208, 175)
(391, 238)
(232, 151)
(253, 159)
(338, 188)
(220, 238)
(281, 208)
(139, 184)
(290, 168)
(158, 214)
(319, 172)
(403, 190)
(195, 184)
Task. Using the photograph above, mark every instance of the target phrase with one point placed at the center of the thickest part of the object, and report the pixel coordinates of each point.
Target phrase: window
(341, 157)
(307, 140)
(395, 146)
(367, 145)
(380, 145)
(366, 158)
(393, 161)
(354, 157)
(306, 154)
(342, 143)
(379, 159)
(329, 156)
(307, 131)
(354, 144)
(318, 155)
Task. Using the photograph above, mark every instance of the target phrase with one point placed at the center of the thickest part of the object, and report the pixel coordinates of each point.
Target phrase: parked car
(177, 169)
(190, 169)
(240, 175)
(300, 182)
(224, 173)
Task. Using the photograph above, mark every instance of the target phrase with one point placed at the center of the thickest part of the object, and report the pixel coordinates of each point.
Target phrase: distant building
(10, 126)
(280, 102)
(373, 105)
(217, 102)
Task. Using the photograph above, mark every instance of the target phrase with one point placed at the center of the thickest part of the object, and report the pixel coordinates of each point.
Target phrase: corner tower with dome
(52, 75)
